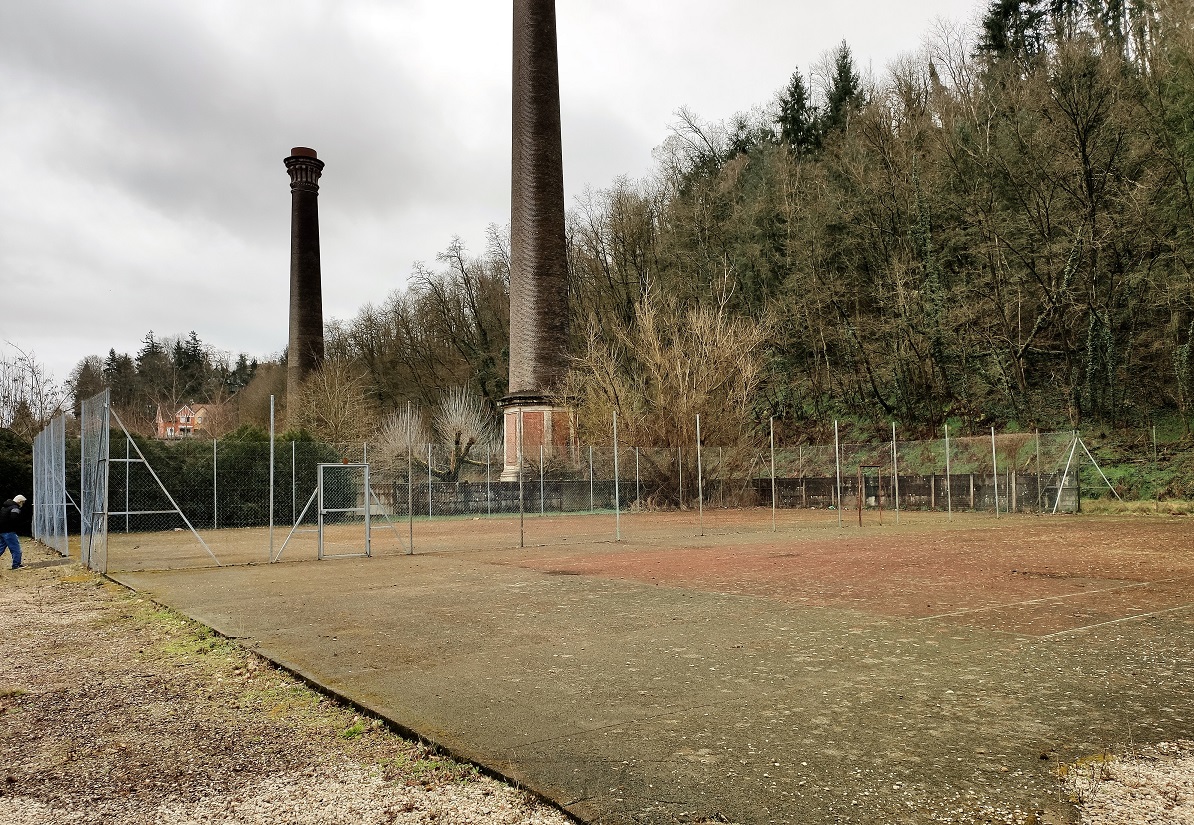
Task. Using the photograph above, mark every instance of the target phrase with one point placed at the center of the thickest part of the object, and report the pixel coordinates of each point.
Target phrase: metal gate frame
(325, 510)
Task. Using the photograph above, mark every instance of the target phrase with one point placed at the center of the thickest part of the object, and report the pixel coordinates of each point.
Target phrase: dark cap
(303, 152)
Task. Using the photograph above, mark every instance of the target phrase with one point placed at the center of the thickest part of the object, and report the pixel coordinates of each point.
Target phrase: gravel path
(1148, 786)
(115, 711)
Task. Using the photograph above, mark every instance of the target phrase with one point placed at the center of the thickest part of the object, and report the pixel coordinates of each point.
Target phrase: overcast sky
(141, 141)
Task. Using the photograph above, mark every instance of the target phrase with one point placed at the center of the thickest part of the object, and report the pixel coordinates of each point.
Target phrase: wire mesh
(344, 507)
(190, 501)
(50, 500)
(93, 492)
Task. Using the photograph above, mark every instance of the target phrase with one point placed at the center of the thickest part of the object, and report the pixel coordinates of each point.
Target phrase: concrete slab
(627, 701)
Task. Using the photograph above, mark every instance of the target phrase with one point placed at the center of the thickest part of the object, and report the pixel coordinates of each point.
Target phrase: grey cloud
(195, 120)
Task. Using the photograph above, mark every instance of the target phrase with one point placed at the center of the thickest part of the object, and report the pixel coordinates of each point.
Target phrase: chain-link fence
(1000, 473)
(93, 483)
(149, 503)
(50, 500)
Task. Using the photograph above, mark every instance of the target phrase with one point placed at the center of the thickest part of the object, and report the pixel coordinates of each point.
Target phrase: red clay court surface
(1022, 574)
(1026, 575)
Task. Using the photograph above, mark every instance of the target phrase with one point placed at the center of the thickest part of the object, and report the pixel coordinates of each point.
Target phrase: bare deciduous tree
(401, 442)
(29, 396)
(466, 427)
(334, 406)
(671, 364)
(463, 424)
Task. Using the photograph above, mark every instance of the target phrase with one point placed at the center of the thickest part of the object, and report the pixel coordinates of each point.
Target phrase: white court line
(969, 610)
(1115, 621)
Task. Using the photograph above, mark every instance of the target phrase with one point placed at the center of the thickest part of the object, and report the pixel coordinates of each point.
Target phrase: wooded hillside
(997, 229)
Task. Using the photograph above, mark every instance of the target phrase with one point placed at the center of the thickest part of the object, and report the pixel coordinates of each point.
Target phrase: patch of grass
(354, 730)
(421, 765)
(1114, 507)
(282, 697)
(164, 617)
(12, 693)
(184, 636)
(195, 646)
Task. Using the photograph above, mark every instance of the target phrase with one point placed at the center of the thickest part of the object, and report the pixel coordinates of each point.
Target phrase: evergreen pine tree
(797, 118)
(845, 90)
(1016, 28)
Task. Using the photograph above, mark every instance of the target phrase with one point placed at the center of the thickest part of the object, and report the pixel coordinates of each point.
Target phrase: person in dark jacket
(10, 517)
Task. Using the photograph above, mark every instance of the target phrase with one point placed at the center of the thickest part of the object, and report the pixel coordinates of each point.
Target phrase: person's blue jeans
(8, 541)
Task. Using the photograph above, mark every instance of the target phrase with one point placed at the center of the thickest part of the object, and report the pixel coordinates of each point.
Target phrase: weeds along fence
(150, 504)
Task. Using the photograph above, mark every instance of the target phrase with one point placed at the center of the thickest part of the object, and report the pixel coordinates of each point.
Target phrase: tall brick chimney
(305, 352)
(538, 252)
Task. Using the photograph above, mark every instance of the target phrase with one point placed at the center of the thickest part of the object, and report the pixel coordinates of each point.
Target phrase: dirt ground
(115, 711)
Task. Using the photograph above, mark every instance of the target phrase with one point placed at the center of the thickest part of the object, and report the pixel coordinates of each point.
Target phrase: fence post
(215, 487)
(293, 483)
(995, 471)
(410, 492)
(542, 487)
(592, 496)
(617, 497)
(430, 490)
(521, 496)
(127, 438)
(837, 463)
(772, 426)
(680, 473)
(800, 472)
(1040, 509)
(949, 487)
(488, 485)
(895, 470)
(859, 494)
(638, 484)
(972, 491)
(700, 480)
(1064, 476)
(271, 478)
(1157, 493)
(107, 472)
(38, 486)
(1078, 472)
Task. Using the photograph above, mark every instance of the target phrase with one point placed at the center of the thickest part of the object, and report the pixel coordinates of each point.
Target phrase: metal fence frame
(93, 493)
(50, 499)
(228, 488)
